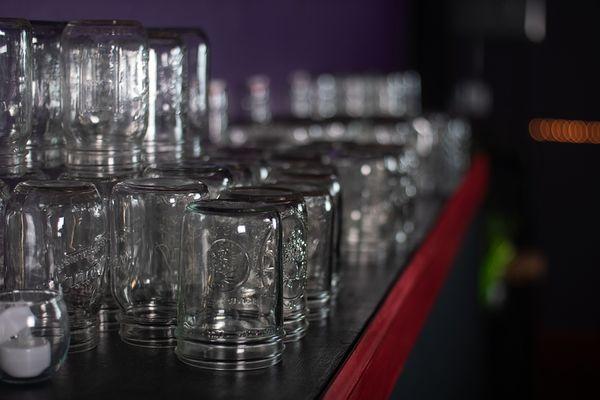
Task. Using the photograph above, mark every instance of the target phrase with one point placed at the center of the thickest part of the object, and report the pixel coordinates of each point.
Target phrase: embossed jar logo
(228, 265)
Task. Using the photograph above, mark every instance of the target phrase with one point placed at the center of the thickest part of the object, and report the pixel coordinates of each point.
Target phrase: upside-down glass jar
(292, 211)
(167, 72)
(109, 310)
(56, 238)
(45, 147)
(105, 95)
(230, 312)
(319, 208)
(15, 95)
(369, 184)
(148, 215)
(197, 50)
(324, 176)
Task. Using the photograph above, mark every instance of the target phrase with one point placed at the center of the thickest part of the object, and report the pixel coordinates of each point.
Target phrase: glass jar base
(318, 306)
(84, 339)
(295, 329)
(146, 335)
(109, 318)
(233, 357)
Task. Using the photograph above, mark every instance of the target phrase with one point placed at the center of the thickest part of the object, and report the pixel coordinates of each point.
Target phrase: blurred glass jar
(301, 94)
(15, 94)
(197, 61)
(218, 111)
(105, 94)
(327, 94)
(215, 177)
(319, 208)
(292, 211)
(453, 155)
(167, 72)
(56, 238)
(230, 312)
(45, 146)
(34, 335)
(369, 186)
(400, 94)
(257, 103)
(148, 216)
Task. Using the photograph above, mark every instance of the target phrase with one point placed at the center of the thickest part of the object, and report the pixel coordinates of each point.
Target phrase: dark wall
(549, 189)
(270, 37)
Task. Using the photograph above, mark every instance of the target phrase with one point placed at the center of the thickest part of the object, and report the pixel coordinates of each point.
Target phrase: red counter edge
(375, 363)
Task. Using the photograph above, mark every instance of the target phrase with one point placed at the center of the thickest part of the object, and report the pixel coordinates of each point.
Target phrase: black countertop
(118, 369)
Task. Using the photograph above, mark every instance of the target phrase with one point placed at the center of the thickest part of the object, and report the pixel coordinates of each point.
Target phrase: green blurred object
(500, 253)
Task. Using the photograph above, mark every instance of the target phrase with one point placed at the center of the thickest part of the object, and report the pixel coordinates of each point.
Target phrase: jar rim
(169, 184)
(303, 188)
(228, 207)
(47, 294)
(265, 194)
(62, 186)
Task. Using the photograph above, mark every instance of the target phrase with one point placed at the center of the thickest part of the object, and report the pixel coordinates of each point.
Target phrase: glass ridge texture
(56, 238)
(35, 335)
(319, 209)
(230, 312)
(15, 94)
(292, 211)
(45, 147)
(105, 94)
(167, 72)
(148, 214)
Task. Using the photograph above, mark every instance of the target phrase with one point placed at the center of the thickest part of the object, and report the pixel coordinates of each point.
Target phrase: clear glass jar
(148, 214)
(218, 111)
(15, 94)
(167, 71)
(230, 313)
(292, 211)
(34, 335)
(319, 208)
(369, 184)
(56, 238)
(45, 147)
(325, 176)
(197, 50)
(109, 315)
(105, 94)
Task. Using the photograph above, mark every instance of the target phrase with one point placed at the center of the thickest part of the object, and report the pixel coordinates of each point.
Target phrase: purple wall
(272, 37)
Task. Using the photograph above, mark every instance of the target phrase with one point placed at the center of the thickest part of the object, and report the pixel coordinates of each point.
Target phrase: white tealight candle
(13, 320)
(25, 357)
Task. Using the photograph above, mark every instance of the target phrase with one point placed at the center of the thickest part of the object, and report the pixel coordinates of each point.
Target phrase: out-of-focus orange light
(564, 131)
